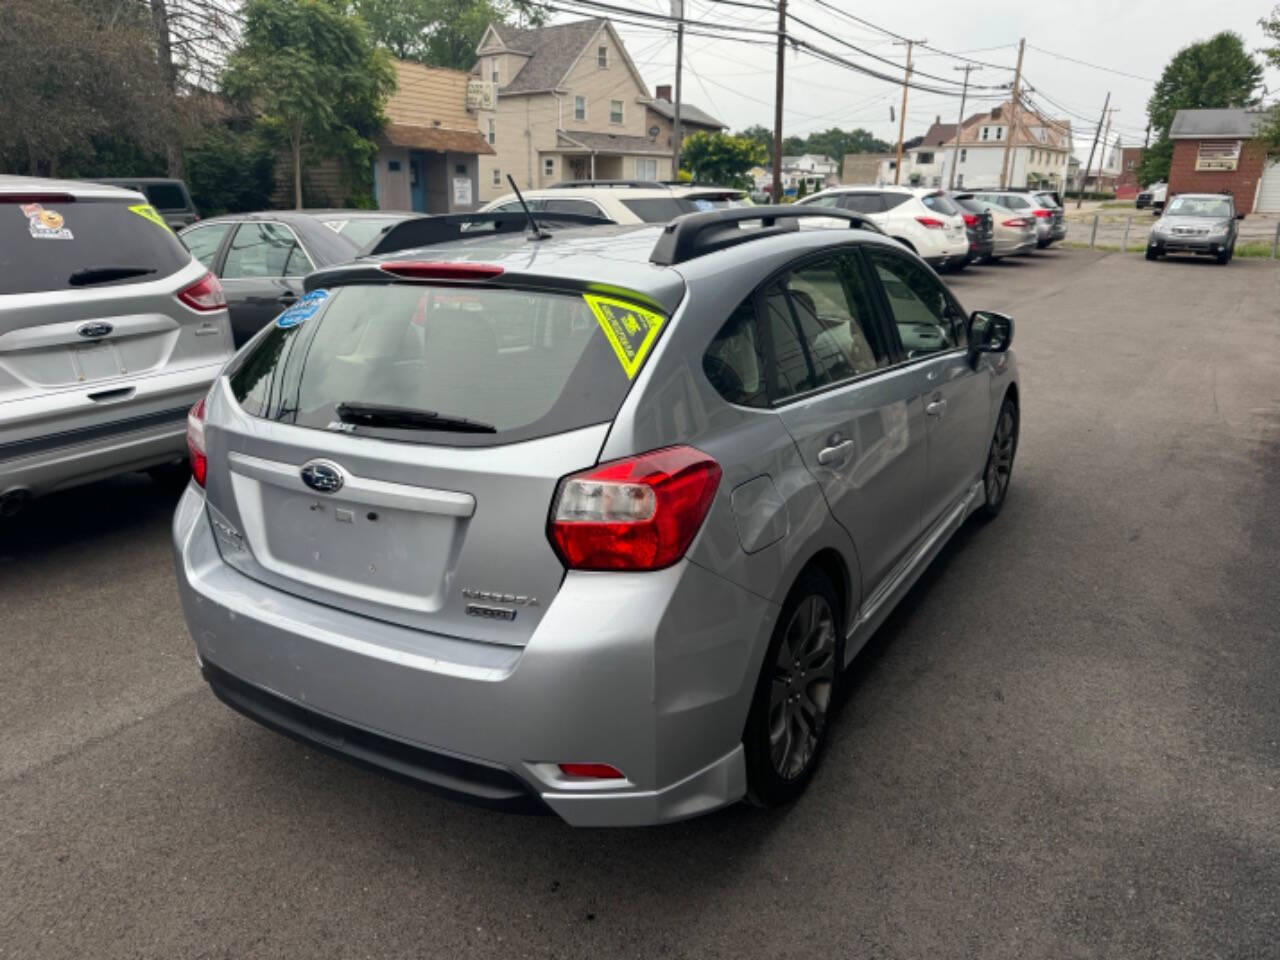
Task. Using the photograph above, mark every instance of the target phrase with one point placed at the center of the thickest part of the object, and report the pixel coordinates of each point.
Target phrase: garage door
(1269, 189)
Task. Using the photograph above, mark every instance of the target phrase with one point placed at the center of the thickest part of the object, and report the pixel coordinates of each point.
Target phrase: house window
(924, 157)
(1218, 155)
(602, 57)
(960, 180)
(497, 177)
(548, 166)
(999, 133)
(964, 155)
(985, 132)
(646, 168)
(494, 70)
(579, 108)
(492, 133)
(615, 111)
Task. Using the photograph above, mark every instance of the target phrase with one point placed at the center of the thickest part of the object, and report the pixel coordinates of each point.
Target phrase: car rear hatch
(89, 303)
(393, 447)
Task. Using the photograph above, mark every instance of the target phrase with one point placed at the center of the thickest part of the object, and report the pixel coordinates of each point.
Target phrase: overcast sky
(734, 81)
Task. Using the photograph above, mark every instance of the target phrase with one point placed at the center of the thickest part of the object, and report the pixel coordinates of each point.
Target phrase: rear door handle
(834, 454)
(936, 408)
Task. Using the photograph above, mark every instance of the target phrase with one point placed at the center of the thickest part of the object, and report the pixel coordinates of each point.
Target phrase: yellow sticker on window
(631, 330)
(147, 212)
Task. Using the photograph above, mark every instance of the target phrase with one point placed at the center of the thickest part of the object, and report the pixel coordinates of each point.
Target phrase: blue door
(418, 182)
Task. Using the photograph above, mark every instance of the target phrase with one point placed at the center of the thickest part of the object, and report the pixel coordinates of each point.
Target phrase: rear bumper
(1013, 247)
(652, 673)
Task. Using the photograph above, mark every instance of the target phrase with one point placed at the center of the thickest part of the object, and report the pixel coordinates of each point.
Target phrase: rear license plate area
(96, 361)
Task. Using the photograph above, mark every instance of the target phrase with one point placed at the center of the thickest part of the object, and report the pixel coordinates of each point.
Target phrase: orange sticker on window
(631, 330)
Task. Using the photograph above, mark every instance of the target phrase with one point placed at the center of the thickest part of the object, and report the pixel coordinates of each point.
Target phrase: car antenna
(535, 231)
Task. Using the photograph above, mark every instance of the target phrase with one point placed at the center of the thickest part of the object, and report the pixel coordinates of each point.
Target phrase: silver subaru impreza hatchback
(588, 522)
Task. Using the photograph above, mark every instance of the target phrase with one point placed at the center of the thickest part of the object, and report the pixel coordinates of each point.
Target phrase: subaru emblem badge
(94, 329)
(322, 476)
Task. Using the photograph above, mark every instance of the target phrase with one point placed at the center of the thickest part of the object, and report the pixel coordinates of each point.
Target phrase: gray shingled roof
(613, 142)
(554, 50)
(1227, 122)
(688, 114)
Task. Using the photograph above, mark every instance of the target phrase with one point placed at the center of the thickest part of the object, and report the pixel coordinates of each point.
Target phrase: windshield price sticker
(304, 309)
(147, 212)
(45, 224)
(631, 330)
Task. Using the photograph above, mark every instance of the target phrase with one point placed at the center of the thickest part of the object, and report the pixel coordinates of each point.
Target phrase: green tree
(310, 70)
(230, 172)
(721, 158)
(1218, 72)
(441, 33)
(1271, 30)
(762, 135)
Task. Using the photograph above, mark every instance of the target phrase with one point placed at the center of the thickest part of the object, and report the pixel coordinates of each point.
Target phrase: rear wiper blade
(407, 418)
(90, 275)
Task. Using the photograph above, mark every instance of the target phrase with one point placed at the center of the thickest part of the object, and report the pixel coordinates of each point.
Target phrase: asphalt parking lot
(1065, 743)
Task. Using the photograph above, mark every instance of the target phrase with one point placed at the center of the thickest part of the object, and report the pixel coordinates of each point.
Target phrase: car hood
(1196, 223)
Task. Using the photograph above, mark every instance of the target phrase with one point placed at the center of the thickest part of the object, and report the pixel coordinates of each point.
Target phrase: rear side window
(554, 205)
(265, 250)
(203, 242)
(167, 196)
(658, 209)
(940, 204)
(735, 362)
(892, 200)
(1012, 201)
(362, 230)
(526, 364)
(58, 244)
(862, 202)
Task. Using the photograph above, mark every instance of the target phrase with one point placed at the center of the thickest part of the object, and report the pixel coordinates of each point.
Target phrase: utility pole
(1013, 116)
(955, 154)
(677, 143)
(1085, 179)
(1102, 158)
(776, 197)
(902, 114)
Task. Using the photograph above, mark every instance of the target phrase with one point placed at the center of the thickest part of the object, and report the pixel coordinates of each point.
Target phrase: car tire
(998, 472)
(1153, 253)
(1225, 256)
(783, 738)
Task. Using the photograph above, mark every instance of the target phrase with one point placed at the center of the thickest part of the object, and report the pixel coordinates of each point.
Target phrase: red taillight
(1015, 222)
(1043, 214)
(204, 295)
(593, 771)
(930, 222)
(970, 220)
(36, 198)
(195, 442)
(640, 513)
(433, 270)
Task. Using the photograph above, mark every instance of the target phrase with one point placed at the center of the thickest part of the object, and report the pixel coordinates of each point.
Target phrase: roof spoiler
(427, 230)
(696, 234)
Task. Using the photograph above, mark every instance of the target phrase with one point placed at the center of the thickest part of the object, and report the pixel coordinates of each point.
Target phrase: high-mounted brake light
(437, 270)
(36, 198)
(640, 513)
(591, 771)
(1043, 214)
(204, 295)
(195, 442)
(930, 222)
(970, 220)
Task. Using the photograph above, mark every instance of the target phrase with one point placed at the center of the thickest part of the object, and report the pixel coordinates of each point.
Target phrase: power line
(1085, 63)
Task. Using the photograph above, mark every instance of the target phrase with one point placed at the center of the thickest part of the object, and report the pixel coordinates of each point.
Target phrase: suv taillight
(204, 295)
(931, 223)
(1043, 214)
(640, 513)
(970, 220)
(195, 442)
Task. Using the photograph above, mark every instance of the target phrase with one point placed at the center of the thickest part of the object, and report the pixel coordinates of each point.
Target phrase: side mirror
(989, 332)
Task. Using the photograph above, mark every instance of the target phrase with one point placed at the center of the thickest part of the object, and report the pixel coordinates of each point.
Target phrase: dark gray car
(1199, 223)
(590, 522)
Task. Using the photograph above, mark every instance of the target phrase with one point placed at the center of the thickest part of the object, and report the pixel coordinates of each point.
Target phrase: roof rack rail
(700, 183)
(642, 184)
(427, 230)
(696, 234)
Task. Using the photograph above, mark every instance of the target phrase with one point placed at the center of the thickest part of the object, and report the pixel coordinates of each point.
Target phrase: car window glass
(203, 242)
(926, 317)
(572, 206)
(734, 361)
(166, 196)
(1014, 202)
(892, 200)
(940, 204)
(862, 202)
(660, 209)
(828, 201)
(263, 250)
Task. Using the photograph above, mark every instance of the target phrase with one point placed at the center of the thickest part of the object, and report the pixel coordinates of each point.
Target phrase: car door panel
(262, 273)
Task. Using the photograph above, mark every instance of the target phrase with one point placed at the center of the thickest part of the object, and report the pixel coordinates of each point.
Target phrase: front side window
(203, 242)
(579, 108)
(615, 111)
(927, 319)
(265, 250)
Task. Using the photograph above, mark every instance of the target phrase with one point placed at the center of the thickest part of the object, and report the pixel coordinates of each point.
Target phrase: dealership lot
(1065, 742)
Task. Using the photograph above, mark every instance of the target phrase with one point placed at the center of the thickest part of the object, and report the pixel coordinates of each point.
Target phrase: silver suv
(109, 330)
(589, 522)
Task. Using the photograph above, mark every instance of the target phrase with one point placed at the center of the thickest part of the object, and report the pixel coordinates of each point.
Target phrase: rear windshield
(362, 230)
(526, 364)
(53, 244)
(1047, 200)
(167, 196)
(940, 204)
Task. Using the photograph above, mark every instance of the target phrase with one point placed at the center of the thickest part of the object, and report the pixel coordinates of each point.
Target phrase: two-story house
(661, 120)
(569, 105)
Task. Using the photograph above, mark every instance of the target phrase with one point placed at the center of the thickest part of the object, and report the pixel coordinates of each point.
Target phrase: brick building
(1127, 185)
(1217, 150)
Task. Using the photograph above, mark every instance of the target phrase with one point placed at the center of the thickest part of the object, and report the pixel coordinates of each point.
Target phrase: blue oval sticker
(304, 309)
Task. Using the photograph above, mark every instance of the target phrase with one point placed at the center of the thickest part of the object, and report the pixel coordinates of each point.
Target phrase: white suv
(923, 220)
(623, 201)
